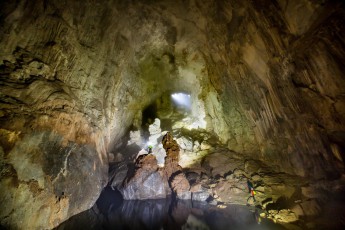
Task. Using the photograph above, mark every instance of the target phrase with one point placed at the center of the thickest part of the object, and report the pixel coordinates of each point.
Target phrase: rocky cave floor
(216, 194)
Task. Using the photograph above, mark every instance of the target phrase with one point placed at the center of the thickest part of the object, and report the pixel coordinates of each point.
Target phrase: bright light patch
(182, 99)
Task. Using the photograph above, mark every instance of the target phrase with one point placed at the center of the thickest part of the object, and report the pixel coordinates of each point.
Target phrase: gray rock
(185, 143)
(200, 196)
(145, 182)
(118, 174)
(186, 195)
(47, 176)
(180, 186)
(135, 138)
(266, 88)
(150, 185)
(160, 154)
(155, 127)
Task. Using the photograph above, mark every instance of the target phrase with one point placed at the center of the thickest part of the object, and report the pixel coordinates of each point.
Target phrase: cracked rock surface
(265, 80)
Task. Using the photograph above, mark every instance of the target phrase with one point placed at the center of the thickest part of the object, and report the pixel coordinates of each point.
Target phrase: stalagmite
(82, 82)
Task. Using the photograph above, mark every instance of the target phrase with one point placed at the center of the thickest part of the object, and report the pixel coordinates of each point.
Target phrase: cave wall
(281, 82)
(267, 75)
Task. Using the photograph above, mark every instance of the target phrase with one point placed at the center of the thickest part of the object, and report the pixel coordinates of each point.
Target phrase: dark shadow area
(281, 203)
(109, 200)
(131, 150)
(333, 213)
(338, 138)
(166, 124)
(111, 212)
(148, 117)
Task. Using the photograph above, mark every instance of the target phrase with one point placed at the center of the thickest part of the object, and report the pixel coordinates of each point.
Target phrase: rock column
(173, 171)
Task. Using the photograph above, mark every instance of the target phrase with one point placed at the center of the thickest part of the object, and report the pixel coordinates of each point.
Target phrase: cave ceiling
(265, 79)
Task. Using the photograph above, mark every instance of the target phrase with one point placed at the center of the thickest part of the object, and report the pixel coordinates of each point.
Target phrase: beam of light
(182, 99)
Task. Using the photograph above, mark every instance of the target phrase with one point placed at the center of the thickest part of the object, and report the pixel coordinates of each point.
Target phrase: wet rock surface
(46, 176)
(111, 211)
(166, 214)
(265, 80)
(146, 183)
(149, 181)
(222, 178)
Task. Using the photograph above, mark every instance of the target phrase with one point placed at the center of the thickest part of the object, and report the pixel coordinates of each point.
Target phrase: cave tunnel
(169, 108)
(172, 114)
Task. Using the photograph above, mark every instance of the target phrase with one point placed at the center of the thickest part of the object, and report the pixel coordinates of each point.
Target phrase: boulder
(147, 185)
(205, 146)
(185, 143)
(147, 182)
(199, 193)
(135, 138)
(180, 186)
(282, 216)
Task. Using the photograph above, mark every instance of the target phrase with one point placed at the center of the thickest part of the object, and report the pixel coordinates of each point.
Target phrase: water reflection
(111, 212)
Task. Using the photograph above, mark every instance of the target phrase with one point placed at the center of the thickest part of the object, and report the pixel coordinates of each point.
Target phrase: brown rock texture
(265, 77)
(146, 182)
(172, 170)
(180, 186)
(172, 149)
(148, 162)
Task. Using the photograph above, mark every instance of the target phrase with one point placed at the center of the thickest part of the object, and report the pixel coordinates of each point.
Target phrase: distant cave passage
(169, 108)
(182, 101)
(148, 116)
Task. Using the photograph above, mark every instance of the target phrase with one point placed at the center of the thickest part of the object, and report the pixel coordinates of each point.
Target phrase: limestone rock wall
(267, 67)
(267, 75)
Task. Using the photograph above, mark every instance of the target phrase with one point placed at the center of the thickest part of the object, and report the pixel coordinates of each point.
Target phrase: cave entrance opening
(165, 113)
(169, 108)
(169, 112)
(182, 101)
(172, 111)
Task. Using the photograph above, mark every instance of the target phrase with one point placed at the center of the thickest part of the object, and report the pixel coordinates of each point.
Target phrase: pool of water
(111, 212)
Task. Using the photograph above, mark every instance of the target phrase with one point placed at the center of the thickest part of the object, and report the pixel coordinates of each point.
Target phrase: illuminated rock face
(172, 170)
(264, 77)
(148, 181)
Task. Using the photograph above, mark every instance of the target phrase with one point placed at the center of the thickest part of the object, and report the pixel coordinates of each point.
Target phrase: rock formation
(172, 170)
(148, 181)
(265, 79)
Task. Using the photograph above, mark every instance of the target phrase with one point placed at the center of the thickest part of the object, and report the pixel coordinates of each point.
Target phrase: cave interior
(173, 110)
